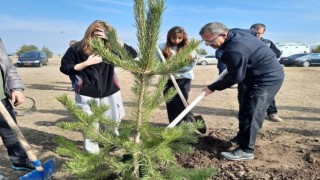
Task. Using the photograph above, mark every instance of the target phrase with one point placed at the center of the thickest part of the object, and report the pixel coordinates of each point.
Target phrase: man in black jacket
(251, 62)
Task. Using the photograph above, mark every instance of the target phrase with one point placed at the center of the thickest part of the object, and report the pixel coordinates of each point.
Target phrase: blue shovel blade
(49, 168)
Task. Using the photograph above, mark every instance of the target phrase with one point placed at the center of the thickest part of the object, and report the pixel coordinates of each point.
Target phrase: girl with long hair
(94, 79)
(176, 39)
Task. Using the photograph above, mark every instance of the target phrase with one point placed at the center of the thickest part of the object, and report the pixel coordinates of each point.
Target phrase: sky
(54, 23)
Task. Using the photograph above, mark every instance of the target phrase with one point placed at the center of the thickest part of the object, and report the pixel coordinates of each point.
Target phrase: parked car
(209, 59)
(32, 58)
(302, 59)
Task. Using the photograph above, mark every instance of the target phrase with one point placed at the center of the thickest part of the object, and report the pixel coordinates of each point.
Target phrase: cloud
(104, 6)
(268, 11)
(39, 24)
(101, 9)
(115, 2)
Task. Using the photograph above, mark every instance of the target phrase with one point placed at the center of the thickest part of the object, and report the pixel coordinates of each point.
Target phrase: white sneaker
(275, 118)
(2, 177)
(91, 146)
(116, 132)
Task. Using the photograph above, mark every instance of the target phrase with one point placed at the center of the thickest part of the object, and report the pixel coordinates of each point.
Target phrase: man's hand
(17, 98)
(207, 91)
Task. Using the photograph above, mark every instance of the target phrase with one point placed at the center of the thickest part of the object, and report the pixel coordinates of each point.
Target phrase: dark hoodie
(97, 80)
(248, 60)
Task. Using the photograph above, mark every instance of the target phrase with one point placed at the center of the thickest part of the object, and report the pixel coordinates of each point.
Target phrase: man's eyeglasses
(211, 41)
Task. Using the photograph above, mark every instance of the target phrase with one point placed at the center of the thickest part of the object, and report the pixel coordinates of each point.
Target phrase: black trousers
(256, 100)
(15, 151)
(272, 109)
(176, 106)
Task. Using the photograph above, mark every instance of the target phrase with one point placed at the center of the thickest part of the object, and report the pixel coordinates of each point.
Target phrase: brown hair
(88, 35)
(173, 32)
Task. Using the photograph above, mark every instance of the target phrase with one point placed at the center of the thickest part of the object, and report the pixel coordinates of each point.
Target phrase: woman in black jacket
(93, 78)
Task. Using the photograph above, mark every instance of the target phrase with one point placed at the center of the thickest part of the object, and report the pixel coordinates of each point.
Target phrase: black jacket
(248, 60)
(272, 46)
(97, 80)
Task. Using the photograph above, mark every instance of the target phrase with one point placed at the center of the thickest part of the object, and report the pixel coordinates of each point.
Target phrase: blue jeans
(272, 109)
(255, 102)
(16, 153)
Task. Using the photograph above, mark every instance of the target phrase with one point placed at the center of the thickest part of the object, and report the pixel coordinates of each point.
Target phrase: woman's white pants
(115, 112)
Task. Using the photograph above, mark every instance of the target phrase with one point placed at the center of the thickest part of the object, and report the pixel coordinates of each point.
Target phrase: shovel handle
(221, 75)
(185, 111)
(19, 135)
(184, 101)
(193, 103)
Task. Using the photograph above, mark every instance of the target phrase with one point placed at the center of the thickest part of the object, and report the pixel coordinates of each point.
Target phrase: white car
(209, 59)
(288, 49)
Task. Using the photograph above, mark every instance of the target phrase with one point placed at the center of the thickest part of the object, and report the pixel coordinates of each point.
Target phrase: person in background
(251, 62)
(260, 29)
(11, 88)
(93, 78)
(176, 39)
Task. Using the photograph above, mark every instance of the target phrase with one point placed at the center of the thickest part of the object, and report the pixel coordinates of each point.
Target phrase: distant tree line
(316, 49)
(25, 48)
(201, 51)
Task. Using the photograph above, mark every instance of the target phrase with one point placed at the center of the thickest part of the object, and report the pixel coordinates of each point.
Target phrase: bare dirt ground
(288, 150)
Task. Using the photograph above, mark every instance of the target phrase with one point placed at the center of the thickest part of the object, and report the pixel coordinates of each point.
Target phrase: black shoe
(234, 140)
(27, 167)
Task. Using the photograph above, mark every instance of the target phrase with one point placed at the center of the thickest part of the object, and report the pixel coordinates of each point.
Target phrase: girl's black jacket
(95, 81)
